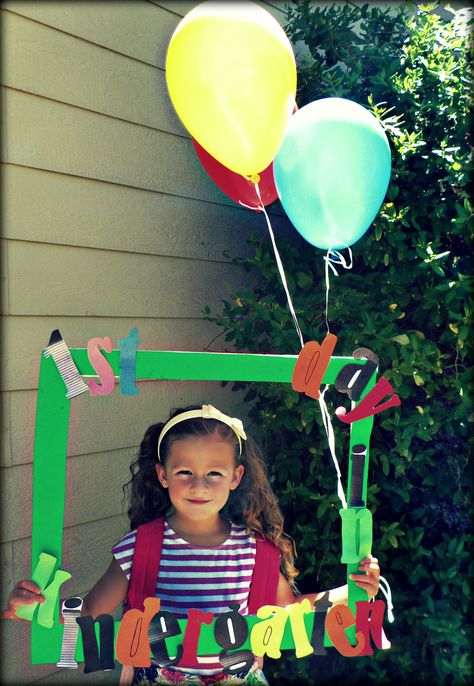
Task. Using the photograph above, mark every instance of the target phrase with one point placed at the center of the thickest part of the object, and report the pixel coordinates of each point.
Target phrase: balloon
(231, 76)
(332, 171)
(236, 186)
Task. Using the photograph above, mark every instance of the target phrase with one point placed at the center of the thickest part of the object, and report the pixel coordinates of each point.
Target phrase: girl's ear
(160, 472)
(238, 474)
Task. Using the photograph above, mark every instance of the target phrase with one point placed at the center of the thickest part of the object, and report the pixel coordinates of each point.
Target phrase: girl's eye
(215, 474)
(186, 472)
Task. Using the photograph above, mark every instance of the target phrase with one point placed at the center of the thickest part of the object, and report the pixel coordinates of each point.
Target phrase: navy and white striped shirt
(189, 576)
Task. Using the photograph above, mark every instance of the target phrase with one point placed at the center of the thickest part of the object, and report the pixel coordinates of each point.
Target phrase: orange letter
(311, 364)
(133, 645)
(339, 618)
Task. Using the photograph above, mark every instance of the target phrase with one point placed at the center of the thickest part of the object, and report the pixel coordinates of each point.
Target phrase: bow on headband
(206, 412)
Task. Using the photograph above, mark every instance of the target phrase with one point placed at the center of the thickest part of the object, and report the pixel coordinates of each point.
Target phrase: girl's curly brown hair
(253, 504)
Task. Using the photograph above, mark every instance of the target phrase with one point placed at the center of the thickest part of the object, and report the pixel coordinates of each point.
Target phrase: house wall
(109, 223)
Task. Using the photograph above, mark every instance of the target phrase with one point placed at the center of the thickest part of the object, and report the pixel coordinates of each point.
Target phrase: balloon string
(279, 263)
(334, 257)
(332, 445)
(387, 591)
(250, 207)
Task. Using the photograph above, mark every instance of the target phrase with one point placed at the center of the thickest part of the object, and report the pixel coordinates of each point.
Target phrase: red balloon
(236, 186)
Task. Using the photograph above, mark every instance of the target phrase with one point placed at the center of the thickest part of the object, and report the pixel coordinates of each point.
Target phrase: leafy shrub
(407, 298)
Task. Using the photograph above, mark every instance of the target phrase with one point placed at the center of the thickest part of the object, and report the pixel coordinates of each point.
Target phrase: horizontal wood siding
(109, 223)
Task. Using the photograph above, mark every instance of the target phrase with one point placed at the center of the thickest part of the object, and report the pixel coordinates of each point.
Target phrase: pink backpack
(146, 563)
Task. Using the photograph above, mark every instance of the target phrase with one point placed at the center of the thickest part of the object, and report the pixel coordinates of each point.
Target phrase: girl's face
(199, 474)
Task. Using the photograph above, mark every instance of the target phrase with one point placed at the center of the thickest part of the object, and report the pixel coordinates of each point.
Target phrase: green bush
(408, 299)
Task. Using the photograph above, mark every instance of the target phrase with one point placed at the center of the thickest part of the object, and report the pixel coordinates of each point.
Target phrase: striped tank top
(189, 576)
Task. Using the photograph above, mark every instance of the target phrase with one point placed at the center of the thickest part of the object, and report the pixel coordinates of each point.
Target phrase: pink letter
(101, 366)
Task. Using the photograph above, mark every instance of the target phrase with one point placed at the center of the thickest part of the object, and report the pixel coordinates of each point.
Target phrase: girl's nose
(199, 483)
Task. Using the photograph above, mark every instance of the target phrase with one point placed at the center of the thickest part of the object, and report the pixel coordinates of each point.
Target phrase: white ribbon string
(332, 444)
(334, 257)
(279, 263)
(386, 590)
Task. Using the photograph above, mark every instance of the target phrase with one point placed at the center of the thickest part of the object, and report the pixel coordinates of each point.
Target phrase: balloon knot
(254, 178)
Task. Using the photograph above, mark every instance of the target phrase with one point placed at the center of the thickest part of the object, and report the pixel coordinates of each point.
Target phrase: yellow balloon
(231, 76)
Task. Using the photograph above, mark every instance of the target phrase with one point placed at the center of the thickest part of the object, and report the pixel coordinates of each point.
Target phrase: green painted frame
(50, 448)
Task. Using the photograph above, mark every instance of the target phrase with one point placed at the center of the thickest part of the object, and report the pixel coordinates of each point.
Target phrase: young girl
(201, 505)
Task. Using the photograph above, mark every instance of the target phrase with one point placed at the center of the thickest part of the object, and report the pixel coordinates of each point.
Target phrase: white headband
(207, 412)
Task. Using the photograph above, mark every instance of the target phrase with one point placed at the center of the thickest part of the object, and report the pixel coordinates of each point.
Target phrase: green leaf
(290, 399)
(418, 379)
(402, 339)
(304, 279)
(393, 541)
(322, 507)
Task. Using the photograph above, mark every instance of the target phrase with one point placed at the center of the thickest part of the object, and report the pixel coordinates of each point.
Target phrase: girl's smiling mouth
(197, 502)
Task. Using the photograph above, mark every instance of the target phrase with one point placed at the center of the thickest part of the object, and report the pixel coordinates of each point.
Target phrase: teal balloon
(332, 171)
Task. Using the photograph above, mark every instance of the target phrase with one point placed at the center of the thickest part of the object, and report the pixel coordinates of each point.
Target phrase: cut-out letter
(58, 350)
(353, 378)
(296, 612)
(230, 632)
(51, 593)
(369, 621)
(93, 662)
(128, 359)
(339, 618)
(164, 625)
(311, 364)
(266, 636)
(70, 611)
(359, 453)
(41, 576)
(368, 406)
(356, 534)
(196, 618)
(132, 645)
(321, 607)
(101, 366)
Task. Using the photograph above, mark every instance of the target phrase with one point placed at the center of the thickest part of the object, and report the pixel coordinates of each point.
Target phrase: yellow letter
(266, 637)
(296, 611)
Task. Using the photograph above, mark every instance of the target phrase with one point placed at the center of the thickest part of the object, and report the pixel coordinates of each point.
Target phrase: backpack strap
(266, 572)
(146, 563)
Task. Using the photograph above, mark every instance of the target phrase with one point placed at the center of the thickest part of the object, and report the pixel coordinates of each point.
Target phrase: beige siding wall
(109, 222)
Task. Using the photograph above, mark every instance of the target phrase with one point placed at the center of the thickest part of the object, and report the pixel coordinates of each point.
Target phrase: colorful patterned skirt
(149, 676)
